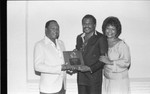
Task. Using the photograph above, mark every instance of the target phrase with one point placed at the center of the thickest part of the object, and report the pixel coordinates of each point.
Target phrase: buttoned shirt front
(83, 35)
(48, 59)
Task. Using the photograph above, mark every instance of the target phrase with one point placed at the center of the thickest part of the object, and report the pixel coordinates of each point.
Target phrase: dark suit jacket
(97, 45)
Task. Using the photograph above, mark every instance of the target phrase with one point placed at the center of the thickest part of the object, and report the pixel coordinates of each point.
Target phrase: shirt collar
(84, 34)
(47, 41)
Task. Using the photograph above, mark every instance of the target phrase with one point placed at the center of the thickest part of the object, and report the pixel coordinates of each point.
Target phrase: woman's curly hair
(113, 21)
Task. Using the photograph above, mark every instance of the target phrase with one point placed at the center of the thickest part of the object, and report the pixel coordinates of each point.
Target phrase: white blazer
(48, 59)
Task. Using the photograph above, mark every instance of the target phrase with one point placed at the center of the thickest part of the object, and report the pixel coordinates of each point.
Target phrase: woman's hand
(106, 60)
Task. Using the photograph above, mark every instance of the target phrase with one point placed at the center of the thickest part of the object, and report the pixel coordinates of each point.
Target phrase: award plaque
(73, 58)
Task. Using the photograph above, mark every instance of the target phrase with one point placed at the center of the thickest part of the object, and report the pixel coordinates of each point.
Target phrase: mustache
(86, 28)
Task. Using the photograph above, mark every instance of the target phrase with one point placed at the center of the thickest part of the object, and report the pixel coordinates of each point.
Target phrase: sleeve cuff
(114, 66)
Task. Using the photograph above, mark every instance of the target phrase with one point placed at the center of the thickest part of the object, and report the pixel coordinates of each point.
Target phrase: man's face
(88, 25)
(52, 31)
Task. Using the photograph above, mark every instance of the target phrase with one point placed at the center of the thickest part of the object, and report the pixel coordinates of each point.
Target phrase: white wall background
(26, 21)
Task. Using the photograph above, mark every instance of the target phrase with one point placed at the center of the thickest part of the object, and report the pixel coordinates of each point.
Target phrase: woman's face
(110, 31)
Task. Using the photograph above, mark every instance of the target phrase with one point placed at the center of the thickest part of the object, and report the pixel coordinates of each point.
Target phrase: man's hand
(71, 71)
(63, 67)
(68, 67)
(75, 50)
(84, 68)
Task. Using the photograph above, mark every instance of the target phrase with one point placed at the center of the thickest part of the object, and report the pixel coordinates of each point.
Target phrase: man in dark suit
(92, 44)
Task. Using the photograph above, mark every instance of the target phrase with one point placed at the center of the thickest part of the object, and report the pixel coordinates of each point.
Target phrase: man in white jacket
(49, 61)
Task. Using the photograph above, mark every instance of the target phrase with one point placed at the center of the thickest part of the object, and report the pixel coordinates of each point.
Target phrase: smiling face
(110, 31)
(52, 31)
(111, 26)
(88, 25)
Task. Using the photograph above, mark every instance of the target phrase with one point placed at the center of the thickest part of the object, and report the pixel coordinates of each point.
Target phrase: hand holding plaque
(68, 67)
(84, 68)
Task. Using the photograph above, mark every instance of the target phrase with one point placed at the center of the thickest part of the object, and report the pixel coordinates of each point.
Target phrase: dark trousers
(84, 89)
(62, 91)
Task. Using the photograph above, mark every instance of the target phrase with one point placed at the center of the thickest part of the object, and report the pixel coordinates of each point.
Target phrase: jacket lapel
(91, 42)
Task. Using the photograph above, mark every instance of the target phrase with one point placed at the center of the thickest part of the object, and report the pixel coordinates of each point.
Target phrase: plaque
(73, 58)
